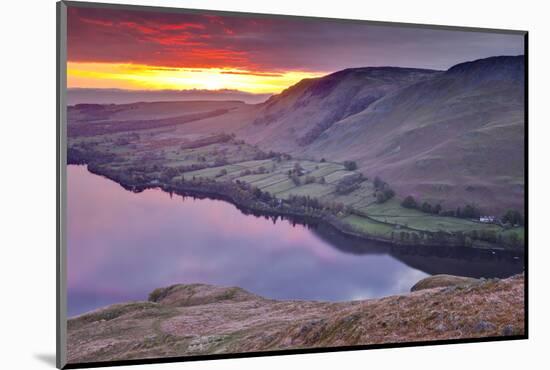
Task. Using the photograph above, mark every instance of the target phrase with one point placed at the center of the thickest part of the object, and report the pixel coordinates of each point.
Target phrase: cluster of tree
(406, 236)
(349, 183)
(168, 173)
(309, 179)
(246, 193)
(129, 177)
(220, 161)
(469, 211)
(221, 173)
(87, 156)
(350, 165)
(295, 179)
(258, 171)
(428, 208)
(465, 239)
(192, 167)
(383, 191)
(145, 168)
(295, 173)
(260, 195)
(307, 202)
(513, 217)
(260, 155)
(240, 191)
(410, 202)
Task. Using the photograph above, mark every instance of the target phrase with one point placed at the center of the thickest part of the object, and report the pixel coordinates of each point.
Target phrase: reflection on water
(122, 245)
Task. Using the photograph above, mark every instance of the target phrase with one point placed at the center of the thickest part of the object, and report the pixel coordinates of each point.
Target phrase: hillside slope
(202, 319)
(457, 138)
(179, 117)
(298, 115)
(454, 137)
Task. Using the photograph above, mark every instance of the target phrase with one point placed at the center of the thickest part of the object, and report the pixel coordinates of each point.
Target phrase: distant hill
(455, 136)
(121, 96)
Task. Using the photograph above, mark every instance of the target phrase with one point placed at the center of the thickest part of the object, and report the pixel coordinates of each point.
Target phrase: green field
(392, 212)
(364, 225)
(233, 160)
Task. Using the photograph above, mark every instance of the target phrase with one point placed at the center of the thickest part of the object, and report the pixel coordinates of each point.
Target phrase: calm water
(122, 245)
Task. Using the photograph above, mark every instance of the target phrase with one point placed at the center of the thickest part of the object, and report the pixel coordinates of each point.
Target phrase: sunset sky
(155, 50)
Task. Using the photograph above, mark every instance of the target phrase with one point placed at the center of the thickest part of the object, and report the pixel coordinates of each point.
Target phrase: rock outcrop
(200, 319)
(441, 281)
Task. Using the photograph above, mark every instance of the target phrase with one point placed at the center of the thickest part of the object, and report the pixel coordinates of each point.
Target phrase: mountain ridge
(303, 111)
(453, 137)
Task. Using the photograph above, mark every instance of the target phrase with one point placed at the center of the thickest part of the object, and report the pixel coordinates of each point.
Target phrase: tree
(388, 192)
(265, 196)
(409, 202)
(349, 183)
(309, 179)
(470, 211)
(350, 165)
(384, 194)
(426, 207)
(513, 217)
(257, 192)
(168, 173)
(514, 238)
(222, 172)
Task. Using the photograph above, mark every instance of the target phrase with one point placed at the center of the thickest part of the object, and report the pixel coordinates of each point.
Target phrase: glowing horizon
(131, 76)
(131, 49)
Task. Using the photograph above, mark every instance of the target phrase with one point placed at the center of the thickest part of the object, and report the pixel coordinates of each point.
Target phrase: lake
(121, 245)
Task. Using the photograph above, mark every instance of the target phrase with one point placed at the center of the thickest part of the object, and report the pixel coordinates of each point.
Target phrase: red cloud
(175, 40)
(270, 45)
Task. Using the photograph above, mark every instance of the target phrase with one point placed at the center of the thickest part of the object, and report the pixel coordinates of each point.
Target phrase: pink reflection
(122, 245)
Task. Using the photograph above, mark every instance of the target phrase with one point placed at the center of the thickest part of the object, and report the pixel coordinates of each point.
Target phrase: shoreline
(217, 191)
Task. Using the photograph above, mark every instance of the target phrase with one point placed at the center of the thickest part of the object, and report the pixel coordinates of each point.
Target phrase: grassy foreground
(198, 319)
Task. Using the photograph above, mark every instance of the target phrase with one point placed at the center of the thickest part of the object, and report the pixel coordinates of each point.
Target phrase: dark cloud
(269, 44)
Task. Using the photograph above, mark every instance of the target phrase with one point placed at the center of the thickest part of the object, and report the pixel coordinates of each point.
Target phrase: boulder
(441, 281)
